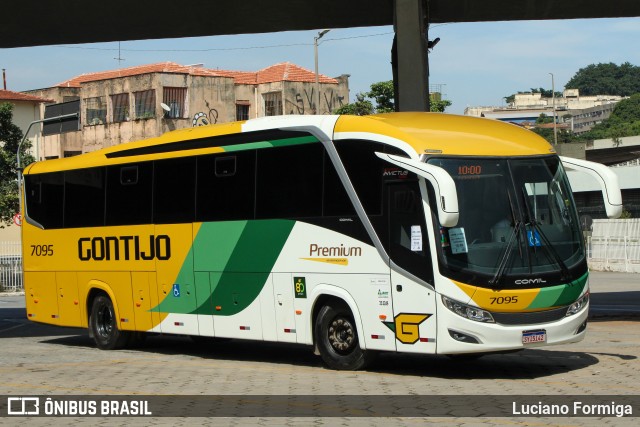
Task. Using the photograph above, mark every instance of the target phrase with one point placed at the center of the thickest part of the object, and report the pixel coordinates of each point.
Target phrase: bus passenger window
(174, 190)
(44, 196)
(226, 187)
(129, 194)
(84, 198)
(289, 182)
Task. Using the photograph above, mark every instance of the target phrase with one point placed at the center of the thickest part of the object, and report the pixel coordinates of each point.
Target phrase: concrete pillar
(409, 56)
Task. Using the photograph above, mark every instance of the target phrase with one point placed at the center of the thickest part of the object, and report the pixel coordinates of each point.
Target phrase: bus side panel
(239, 309)
(118, 286)
(414, 309)
(68, 302)
(268, 311)
(284, 307)
(41, 297)
(141, 284)
(175, 279)
(203, 293)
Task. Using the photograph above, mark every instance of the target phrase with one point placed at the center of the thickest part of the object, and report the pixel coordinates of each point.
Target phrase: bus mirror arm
(607, 179)
(443, 185)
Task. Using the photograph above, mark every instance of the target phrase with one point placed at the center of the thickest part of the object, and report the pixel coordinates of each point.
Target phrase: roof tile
(284, 71)
(8, 95)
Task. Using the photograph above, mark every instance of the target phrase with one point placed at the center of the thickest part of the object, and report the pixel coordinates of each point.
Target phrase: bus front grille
(530, 318)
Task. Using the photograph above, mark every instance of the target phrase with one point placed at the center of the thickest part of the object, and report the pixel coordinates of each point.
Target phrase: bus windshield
(518, 226)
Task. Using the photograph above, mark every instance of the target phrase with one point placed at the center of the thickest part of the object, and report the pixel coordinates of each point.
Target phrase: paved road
(47, 360)
(615, 294)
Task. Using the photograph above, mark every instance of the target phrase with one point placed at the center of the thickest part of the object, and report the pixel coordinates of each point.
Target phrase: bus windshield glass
(518, 225)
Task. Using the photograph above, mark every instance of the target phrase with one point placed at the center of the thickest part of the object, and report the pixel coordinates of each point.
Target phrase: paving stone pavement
(42, 360)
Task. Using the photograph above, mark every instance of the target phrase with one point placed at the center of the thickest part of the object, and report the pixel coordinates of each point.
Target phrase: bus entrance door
(414, 304)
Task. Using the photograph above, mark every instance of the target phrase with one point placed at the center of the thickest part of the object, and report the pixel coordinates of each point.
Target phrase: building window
(96, 110)
(242, 110)
(175, 99)
(120, 107)
(145, 104)
(69, 124)
(272, 104)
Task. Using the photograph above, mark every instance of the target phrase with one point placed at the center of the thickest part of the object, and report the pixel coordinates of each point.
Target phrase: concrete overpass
(48, 22)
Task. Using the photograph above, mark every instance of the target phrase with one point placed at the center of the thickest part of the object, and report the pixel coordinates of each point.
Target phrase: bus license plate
(532, 337)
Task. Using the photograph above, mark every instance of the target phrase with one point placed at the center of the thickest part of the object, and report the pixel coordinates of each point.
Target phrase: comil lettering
(530, 281)
(116, 248)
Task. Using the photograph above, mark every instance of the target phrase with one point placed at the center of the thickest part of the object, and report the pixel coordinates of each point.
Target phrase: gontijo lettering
(115, 248)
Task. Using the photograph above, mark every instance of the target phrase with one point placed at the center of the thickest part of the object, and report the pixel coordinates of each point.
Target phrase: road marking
(12, 327)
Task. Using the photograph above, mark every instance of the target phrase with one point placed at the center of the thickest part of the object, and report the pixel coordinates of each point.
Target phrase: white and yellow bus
(408, 232)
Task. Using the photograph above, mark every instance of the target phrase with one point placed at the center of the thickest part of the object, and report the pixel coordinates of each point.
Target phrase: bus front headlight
(472, 313)
(578, 305)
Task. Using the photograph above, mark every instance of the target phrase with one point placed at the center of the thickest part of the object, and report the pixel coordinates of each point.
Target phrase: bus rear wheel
(337, 339)
(104, 325)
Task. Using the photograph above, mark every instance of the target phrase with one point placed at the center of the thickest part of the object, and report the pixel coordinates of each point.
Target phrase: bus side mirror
(607, 179)
(443, 185)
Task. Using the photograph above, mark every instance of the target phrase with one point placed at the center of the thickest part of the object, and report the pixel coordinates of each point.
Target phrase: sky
(477, 64)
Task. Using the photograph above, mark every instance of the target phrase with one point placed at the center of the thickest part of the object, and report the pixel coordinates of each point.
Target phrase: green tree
(624, 121)
(361, 107)
(438, 105)
(384, 96)
(607, 79)
(564, 136)
(10, 137)
(543, 118)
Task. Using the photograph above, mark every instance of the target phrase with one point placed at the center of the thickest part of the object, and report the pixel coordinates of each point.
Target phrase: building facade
(141, 102)
(26, 109)
(579, 113)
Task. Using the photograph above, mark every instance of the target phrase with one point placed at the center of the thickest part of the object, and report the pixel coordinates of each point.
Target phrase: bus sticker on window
(416, 238)
(458, 241)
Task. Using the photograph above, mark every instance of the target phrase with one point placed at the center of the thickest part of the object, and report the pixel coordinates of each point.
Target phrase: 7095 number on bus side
(504, 300)
(41, 250)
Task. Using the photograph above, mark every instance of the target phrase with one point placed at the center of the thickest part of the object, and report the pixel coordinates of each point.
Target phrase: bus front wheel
(104, 325)
(337, 338)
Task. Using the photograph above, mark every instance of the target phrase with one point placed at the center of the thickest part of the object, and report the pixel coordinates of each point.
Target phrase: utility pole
(119, 58)
(315, 50)
(553, 97)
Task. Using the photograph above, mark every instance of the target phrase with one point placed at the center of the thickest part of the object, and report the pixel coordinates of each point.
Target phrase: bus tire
(104, 325)
(337, 338)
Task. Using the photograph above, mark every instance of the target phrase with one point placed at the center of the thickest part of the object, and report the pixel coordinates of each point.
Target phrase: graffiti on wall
(203, 119)
(330, 100)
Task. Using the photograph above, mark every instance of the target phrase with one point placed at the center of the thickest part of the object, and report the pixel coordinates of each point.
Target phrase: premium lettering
(116, 248)
(334, 251)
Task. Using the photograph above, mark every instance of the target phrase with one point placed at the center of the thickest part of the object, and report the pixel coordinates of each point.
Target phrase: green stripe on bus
(239, 256)
(560, 295)
(270, 144)
(572, 291)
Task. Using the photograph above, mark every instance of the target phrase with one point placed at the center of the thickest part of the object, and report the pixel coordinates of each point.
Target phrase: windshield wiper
(546, 243)
(502, 266)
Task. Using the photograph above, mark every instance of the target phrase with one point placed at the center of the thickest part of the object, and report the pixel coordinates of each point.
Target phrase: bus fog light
(472, 313)
(577, 306)
(459, 336)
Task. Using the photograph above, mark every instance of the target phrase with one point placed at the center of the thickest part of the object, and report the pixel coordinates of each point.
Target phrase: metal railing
(614, 245)
(10, 267)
